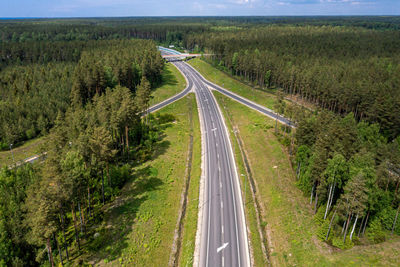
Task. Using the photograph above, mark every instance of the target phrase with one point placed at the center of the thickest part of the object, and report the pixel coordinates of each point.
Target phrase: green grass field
(222, 79)
(286, 213)
(190, 221)
(172, 83)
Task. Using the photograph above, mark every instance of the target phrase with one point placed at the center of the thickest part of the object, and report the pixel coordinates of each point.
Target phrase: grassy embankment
(172, 83)
(286, 213)
(138, 226)
(190, 220)
(26, 150)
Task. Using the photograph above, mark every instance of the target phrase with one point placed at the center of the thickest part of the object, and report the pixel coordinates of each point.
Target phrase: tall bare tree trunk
(333, 193)
(58, 248)
(361, 225)
(298, 170)
(76, 228)
(108, 174)
(316, 202)
(395, 219)
(347, 227)
(365, 225)
(330, 225)
(102, 184)
(49, 252)
(312, 193)
(88, 192)
(327, 203)
(354, 227)
(65, 240)
(80, 216)
(127, 138)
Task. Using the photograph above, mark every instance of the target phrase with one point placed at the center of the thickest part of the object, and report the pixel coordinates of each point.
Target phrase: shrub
(375, 231)
(323, 230)
(119, 175)
(386, 217)
(30, 133)
(337, 241)
(3, 146)
(319, 216)
(165, 118)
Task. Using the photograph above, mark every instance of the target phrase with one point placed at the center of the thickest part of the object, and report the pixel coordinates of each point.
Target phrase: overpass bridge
(181, 55)
(173, 55)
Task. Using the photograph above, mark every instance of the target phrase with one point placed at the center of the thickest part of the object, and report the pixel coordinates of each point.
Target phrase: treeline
(41, 52)
(32, 95)
(338, 68)
(158, 29)
(45, 52)
(352, 174)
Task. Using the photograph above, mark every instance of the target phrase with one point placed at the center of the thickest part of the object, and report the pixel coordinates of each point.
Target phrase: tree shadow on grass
(120, 215)
(168, 78)
(162, 148)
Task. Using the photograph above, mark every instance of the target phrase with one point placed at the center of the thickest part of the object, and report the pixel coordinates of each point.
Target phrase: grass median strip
(287, 217)
(172, 83)
(190, 220)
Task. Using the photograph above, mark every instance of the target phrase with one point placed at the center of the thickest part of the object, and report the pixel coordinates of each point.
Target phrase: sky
(116, 8)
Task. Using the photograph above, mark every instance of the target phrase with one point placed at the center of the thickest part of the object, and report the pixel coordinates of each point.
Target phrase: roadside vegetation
(288, 218)
(49, 209)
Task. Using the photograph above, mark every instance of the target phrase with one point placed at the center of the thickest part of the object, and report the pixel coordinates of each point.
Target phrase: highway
(222, 235)
(263, 110)
(221, 238)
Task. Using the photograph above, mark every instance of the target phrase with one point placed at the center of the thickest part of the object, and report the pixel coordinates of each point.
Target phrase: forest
(87, 98)
(84, 83)
(340, 69)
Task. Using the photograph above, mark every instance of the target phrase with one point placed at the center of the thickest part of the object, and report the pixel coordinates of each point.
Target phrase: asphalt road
(223, 237)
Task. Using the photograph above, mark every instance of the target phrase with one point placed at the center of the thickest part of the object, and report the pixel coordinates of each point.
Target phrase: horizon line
(194, 16)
